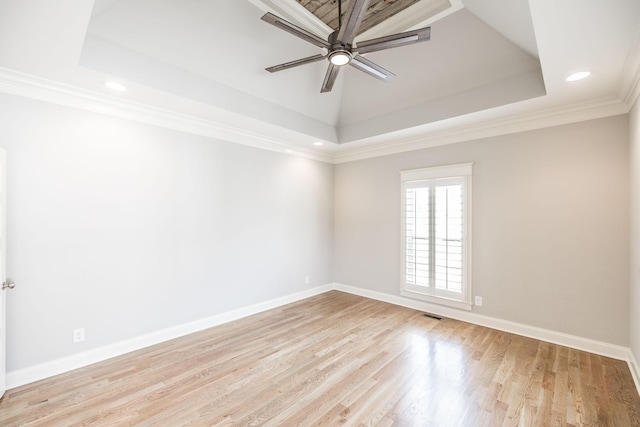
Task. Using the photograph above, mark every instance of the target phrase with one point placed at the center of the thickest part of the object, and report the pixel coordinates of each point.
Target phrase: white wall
(634, 138)
(126, 229)
(550, 225)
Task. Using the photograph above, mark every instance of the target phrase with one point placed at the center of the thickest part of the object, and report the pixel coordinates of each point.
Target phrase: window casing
(436, 230)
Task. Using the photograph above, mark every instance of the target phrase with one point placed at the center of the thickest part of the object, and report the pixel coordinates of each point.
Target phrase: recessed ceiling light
(115, 86)
(578, 76)
(318, 143)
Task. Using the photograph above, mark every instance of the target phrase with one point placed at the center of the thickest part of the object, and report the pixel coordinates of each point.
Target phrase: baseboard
(45, 370)
(635, 369)
(579, 343)
(35, 373)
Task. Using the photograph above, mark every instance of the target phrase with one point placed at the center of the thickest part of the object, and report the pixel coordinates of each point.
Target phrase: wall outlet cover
(78, 335)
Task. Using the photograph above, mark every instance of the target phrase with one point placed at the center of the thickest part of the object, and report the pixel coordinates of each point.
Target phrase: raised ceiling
(378, 11)
(171, 45)
(198, 65)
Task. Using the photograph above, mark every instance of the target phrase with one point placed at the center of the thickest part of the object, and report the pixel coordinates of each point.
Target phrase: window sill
(436, 300)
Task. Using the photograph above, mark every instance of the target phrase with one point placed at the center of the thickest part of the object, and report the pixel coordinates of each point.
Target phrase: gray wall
(126, 229)
(550, 225)
(634, 138)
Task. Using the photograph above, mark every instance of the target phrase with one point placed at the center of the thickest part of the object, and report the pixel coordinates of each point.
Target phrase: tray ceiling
(203, 63)
(467, 66)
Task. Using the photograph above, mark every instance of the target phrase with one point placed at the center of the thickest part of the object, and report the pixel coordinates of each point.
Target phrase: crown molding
(40, 89)
(634, 91)
(28, 86)
(628, 94)
(521, 123)
(630, 84)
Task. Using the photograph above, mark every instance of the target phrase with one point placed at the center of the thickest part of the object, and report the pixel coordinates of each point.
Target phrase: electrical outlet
(78, 335)
(307, 280)
(478, 301)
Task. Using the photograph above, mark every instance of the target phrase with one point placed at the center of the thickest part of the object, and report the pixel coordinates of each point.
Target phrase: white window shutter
(435, 225)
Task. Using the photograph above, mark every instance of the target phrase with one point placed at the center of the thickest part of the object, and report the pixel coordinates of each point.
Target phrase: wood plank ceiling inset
(379, 10)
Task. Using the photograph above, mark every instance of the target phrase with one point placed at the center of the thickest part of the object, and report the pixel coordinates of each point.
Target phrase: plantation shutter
(434, 237)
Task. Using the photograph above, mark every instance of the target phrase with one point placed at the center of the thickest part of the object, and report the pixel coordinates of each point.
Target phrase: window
(436, 226)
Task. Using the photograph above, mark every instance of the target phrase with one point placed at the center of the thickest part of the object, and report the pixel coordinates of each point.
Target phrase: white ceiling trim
(32, 87)
(297, 14)
(28, 86)
(418, 15)
(538, 120)
(630, 83)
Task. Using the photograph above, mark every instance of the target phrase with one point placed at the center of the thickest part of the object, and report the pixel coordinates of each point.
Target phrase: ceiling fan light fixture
(340, 43)
(340, 57)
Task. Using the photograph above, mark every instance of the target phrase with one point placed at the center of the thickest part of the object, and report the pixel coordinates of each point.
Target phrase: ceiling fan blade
(351, 22)
(394, 40)
(295, 30)
(330, 78)
(295, 63)
(371, 68)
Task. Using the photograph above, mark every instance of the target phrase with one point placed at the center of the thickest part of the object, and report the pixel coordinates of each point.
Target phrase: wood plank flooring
(337, 359)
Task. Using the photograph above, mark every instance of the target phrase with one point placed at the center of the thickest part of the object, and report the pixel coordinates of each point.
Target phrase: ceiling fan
(341, 49)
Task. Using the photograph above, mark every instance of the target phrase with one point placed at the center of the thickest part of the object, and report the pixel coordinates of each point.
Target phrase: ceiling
(378, 11)
(491, 67)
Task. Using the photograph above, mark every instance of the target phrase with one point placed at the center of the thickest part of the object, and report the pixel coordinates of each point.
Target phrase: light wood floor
(338, 359)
